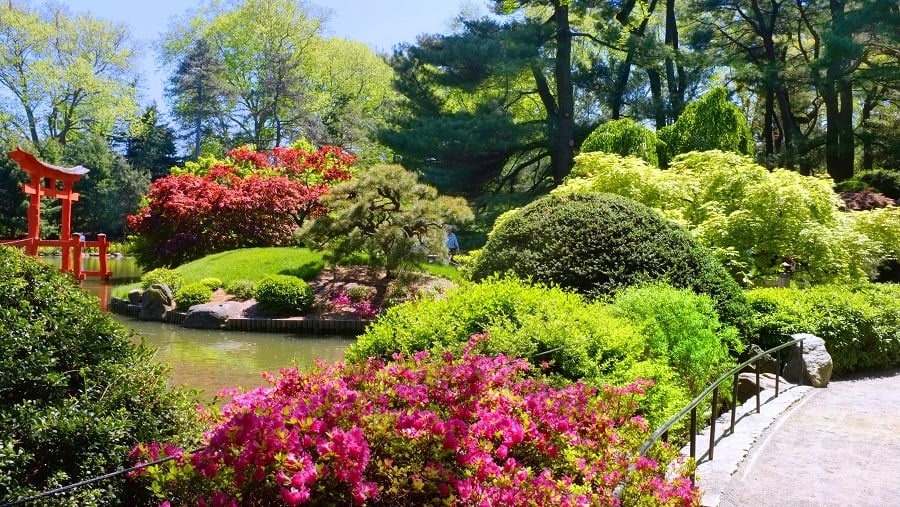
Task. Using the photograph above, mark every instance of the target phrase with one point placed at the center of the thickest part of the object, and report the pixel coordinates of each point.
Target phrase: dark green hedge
(75, 393)
(601, 243)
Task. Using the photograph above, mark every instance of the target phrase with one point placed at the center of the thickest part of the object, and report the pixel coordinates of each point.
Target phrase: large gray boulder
(167, 292)
(813, 362)
(153, 305)
(209, 316)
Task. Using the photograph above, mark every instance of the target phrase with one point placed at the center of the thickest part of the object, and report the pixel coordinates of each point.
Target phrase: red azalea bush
(251, 199)
(473, 430)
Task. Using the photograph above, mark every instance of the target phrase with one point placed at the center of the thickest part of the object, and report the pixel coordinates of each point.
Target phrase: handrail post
(734, 397)
(802, 365)
(758, 388)
(778, 373)
(712, 422)
(694, 432)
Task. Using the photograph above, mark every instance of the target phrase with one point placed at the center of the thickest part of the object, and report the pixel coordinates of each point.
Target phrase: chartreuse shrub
(624, 137)
(280, 295)
(755, 219)
(212, 282)
(860, 324)
(597, 244)
(709, 123)
(577, 340)
(75, 393)
(192, 294)
(683, 327)
(166, 276)
(425, 430)
(569, 338)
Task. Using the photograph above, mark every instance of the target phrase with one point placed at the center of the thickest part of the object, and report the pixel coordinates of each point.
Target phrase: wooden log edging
(305, 325)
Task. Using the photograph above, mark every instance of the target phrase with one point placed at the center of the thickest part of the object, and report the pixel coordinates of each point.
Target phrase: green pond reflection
(213, 360)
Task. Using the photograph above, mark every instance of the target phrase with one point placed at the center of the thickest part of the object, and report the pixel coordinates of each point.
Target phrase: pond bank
(304, 325)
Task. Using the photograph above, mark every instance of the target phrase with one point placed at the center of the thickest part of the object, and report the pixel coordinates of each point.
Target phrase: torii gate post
(45, 182)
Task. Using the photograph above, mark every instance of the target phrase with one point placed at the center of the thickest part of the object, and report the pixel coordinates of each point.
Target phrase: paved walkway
(836, 446)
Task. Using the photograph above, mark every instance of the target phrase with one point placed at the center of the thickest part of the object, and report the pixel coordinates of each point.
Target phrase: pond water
(213, 360)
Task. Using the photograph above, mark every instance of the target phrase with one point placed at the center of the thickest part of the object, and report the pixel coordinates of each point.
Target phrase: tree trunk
(564, 140)
(837, 93)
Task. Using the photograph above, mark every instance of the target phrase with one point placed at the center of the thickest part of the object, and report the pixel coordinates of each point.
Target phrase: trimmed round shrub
(166, 276)
(624, 137)
(75, 393)
(281, 295)
(425, 430)
(884, 181)
(192, 294)
(212, 282)
(598, 244)
(241, 289)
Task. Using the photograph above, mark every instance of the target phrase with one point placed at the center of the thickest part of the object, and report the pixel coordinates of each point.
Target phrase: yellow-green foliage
(754, 218)
(709, 123)
(670, 336)
(624, 137)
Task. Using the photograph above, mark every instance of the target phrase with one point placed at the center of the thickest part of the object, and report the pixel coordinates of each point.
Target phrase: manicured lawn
(254, 263)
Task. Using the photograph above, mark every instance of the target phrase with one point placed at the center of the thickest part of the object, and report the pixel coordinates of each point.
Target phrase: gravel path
(838, 446)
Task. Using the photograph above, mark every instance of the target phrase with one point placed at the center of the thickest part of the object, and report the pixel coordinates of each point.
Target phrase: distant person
(452, 243)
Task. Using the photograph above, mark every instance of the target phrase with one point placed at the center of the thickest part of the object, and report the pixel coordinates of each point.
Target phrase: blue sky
(379, 23)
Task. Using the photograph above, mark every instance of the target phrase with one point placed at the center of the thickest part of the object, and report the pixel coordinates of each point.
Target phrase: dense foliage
(388, 214)
(75, 393)
(250, 199)
(473, 430)
(597, 244)
(192, 294)
(858, 323)
(709, 123)
(670, 336)
(625, 137)
(165, 276)
(757, 220)
(281, 295)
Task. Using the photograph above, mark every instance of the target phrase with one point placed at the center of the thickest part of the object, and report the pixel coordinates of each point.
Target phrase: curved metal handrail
(713, 388)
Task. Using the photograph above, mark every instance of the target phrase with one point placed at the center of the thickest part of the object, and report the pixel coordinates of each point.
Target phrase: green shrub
(709, 123)
(192, 294)
(166, 276)
(212, 282)
(599, 244)
(683, 328)
(624, 137)
(521, 320)
(280, 295)
(75, 393)
(565, 337)
(860, 324)
(241, 289)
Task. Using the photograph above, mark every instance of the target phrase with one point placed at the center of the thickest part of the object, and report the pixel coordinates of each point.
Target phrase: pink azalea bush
(472, 430)
(362, 308)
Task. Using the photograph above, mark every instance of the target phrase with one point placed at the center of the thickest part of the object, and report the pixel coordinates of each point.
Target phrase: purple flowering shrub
(472, 430)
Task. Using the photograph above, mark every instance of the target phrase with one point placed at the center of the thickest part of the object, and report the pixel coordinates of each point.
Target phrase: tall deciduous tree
(64, 74)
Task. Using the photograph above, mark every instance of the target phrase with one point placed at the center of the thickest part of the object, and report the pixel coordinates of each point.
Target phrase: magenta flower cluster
(364, 309)
(472, 430)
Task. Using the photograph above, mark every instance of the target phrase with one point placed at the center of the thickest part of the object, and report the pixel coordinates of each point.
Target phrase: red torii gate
(53, 181)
